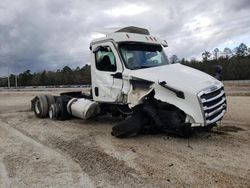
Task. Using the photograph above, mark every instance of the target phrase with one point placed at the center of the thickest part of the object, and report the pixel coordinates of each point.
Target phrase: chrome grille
(213, 103)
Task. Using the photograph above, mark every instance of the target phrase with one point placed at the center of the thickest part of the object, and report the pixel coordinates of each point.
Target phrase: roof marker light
(166, 44)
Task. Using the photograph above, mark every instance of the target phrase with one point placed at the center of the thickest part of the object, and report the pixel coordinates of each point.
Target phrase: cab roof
(133, 29)
(132, 34)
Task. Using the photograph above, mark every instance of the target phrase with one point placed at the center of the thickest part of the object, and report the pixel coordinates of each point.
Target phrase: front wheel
(131, 126)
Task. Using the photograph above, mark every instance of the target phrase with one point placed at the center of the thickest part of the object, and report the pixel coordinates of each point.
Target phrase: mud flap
(130, 126)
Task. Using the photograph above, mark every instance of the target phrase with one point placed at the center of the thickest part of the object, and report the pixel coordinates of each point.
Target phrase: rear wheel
(61, 107)
(53, 111)
(51, 99)
(41, 106)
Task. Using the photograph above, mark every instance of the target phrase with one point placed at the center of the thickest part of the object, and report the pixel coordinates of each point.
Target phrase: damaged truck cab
(129, 67)
(132, 77)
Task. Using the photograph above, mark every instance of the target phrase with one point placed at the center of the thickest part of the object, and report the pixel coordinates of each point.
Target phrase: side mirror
(97, 49)
(164, 43)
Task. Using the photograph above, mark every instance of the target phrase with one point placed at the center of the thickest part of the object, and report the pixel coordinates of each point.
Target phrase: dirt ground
(76, 153)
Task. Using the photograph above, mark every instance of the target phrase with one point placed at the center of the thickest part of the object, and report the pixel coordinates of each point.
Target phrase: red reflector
(127, 36)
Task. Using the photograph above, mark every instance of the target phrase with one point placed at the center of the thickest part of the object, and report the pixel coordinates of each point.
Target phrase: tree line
(235, 62)
(235, 65)
(64, 76)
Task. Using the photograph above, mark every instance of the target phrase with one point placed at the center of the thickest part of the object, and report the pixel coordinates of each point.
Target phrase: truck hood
(177, 76)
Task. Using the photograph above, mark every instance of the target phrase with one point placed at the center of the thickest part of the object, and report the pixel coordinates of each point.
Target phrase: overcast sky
(49, 34)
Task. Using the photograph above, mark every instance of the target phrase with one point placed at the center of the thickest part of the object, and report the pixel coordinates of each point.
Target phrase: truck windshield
(139, 56)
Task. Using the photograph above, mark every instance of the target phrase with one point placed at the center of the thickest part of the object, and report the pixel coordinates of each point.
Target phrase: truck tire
(53, 111)
(130, 126)
(51, 99)
(41, 107)
(61, 106)
(174, 123)
(168, 119)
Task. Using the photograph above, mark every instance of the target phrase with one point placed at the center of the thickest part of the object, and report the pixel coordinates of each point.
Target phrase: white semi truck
(131, 76)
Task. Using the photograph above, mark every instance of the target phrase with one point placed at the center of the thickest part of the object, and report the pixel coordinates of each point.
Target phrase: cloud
(44, 34)
(127, 10)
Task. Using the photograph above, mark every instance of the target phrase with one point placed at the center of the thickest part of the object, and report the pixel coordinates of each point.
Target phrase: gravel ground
(76, 153)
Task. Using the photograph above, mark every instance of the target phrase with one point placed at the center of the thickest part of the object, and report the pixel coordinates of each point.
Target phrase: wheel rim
(51, 113)
(38, 107)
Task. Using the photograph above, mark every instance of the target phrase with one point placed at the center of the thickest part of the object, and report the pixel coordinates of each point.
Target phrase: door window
(105, 59)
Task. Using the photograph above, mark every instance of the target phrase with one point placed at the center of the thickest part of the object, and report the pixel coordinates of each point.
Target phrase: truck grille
(213, 102)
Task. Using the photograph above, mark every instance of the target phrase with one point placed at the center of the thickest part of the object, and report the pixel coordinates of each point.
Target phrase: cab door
(106, 73)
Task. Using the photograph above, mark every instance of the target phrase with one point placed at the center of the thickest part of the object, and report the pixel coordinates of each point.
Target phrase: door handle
(96, 91)
(117, 75)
